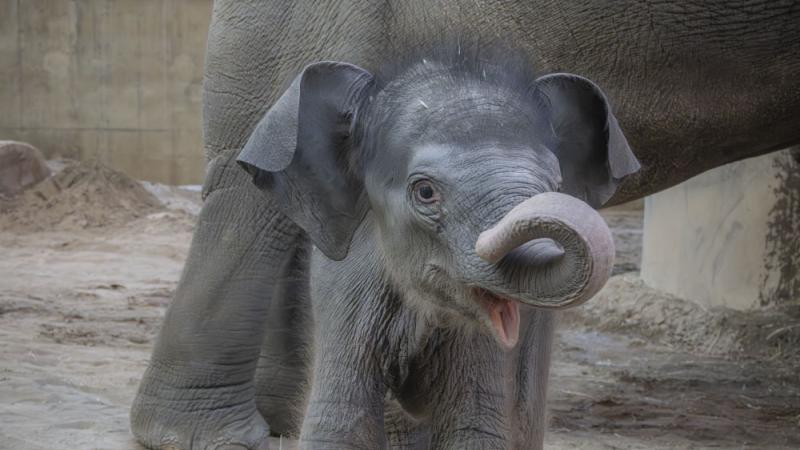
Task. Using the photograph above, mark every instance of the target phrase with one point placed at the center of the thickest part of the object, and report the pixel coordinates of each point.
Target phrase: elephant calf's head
(481, 180)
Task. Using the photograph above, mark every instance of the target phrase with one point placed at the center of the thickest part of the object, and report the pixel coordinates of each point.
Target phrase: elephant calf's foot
(186, 414)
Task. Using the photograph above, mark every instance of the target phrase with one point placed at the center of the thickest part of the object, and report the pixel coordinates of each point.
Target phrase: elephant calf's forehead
(443, 106)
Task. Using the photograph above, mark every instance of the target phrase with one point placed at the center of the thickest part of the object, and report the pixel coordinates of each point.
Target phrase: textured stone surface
(21, 166)
(728, 237)
(117, 81)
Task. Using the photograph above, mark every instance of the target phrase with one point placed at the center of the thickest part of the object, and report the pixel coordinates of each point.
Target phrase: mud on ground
(83, 292)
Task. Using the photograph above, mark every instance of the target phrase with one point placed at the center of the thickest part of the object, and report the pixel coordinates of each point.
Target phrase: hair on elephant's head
(481, 179)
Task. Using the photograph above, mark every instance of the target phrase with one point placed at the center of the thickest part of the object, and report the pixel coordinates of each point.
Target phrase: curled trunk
(588, 249)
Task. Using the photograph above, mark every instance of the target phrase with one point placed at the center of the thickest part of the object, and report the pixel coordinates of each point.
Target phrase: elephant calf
(428, 222)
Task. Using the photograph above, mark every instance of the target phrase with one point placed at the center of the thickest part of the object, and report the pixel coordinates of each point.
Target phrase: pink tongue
(505, 318)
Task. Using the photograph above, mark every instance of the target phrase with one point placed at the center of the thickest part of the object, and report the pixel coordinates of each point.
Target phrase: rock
(21, 166)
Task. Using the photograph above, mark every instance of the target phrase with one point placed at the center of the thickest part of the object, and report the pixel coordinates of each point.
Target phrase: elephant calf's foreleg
(198, 390)
(282, 375)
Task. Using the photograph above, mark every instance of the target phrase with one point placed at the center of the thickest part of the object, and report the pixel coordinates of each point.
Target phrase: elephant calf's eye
(425, 192)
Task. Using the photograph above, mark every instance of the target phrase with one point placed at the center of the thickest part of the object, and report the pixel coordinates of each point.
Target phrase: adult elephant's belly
(692, 88)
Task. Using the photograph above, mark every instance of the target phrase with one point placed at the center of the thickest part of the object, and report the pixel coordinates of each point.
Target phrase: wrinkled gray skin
(269, 322)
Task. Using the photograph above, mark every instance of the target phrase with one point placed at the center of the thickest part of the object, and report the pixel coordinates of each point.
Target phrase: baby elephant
(450, 208)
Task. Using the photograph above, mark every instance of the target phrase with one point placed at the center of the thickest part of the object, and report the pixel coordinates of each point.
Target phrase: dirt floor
(89, 261)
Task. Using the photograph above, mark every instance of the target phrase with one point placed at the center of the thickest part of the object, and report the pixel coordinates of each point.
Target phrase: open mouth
(503, 314)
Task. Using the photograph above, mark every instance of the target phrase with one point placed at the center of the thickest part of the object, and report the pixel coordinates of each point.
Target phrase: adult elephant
(694, 86)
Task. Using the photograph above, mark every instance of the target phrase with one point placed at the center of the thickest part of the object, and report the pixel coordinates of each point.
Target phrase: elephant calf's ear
(592, 151)
(299, 153)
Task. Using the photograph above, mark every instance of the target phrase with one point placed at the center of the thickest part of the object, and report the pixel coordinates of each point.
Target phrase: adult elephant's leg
(198, 390)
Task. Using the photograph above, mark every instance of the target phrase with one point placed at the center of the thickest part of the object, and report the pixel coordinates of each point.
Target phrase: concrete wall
(118, 80)
(729, 237)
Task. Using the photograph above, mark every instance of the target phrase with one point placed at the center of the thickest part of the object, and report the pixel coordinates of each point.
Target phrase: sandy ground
(81, 301)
